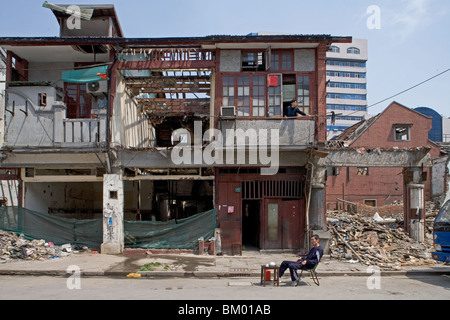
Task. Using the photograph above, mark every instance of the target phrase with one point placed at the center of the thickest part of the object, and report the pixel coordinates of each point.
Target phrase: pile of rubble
(15, 247)
(376, 240)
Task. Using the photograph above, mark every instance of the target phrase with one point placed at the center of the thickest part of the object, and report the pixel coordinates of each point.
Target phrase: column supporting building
(113, 215)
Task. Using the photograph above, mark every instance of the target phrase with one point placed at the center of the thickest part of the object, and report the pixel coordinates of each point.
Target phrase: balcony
(294, 134)
(34, 119)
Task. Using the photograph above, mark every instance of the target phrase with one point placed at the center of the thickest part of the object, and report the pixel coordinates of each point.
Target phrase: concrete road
(426, 287)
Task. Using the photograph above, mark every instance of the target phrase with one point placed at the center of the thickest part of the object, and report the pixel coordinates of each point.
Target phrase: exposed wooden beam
(149, 65)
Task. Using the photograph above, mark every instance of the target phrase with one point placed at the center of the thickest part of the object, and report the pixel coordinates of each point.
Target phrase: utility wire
(415, 86)
(419, 84)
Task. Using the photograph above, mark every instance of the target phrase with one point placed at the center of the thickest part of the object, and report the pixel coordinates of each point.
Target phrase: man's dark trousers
(293, 266)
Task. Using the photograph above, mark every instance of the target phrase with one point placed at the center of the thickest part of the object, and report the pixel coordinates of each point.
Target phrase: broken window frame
(402, 132)
(362, 171)
(253, 60)
(368, 202)
(333, 171)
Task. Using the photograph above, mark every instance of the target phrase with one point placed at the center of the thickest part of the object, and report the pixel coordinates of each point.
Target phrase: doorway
(250, 223)
(283, 224)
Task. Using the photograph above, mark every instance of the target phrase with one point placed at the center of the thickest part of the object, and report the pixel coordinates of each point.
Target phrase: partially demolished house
(97, 125)
(369, 170)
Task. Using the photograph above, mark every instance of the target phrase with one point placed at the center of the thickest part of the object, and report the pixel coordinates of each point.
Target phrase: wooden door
(271, 226)
(292, 224)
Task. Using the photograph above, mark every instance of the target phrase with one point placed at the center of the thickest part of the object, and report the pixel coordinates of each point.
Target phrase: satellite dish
(93, 86)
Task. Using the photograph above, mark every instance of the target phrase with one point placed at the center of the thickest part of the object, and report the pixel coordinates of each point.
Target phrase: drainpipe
(308, 202)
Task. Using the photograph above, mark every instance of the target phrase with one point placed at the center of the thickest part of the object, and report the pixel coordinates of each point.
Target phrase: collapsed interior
(144, 200)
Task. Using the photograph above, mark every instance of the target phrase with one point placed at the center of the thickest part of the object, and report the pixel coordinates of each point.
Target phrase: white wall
(39, 196)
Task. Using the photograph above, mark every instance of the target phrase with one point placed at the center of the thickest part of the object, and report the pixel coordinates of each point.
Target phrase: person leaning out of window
(293, 110)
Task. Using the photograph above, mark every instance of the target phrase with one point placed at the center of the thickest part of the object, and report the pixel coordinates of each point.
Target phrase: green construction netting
(173, 234)
(36, 225)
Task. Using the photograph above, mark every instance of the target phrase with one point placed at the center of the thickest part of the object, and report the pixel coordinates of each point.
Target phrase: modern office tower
(2, 90)
(346, 85)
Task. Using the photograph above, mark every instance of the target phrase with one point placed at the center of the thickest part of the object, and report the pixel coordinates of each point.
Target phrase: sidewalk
(191, 265)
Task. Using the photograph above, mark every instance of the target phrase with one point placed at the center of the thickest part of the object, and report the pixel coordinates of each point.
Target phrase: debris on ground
(378, 239)
(17, 247)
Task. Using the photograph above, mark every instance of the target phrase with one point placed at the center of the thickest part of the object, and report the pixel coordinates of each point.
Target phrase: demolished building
(97, 125)
(388, 158)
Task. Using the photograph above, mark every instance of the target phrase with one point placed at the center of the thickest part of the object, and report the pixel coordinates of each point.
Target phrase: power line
(419, 84)
(415, 86)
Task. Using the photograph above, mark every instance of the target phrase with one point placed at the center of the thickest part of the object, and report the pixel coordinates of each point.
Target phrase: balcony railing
(31, 124)
(81, 131)
(292, 133)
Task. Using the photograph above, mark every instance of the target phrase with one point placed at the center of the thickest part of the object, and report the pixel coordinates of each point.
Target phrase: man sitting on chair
(312, 259)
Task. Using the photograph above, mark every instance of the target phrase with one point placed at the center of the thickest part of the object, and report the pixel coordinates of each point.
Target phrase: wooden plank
(148, 65)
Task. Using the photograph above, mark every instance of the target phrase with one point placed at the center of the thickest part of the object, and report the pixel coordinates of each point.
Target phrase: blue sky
(411, 45)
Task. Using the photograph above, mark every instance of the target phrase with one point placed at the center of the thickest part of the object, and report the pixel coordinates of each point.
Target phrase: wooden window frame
(74, 110)
(251, 88)
(278, 65)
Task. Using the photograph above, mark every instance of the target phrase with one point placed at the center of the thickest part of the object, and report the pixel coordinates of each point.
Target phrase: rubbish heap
(376, 241)
(17, 247)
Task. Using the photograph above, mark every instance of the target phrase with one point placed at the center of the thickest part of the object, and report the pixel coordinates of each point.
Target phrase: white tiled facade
(346, 85)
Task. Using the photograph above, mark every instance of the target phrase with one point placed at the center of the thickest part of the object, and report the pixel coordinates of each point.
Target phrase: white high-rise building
(2, 90)
(346, 85)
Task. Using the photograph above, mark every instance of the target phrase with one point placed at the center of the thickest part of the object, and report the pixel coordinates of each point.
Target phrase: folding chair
(313, 274)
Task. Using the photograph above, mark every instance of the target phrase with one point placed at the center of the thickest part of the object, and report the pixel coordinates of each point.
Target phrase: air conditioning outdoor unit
(97, 88)
(228, 111)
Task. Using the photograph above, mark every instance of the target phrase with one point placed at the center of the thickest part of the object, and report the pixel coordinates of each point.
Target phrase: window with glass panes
(275, 61)
(248, 91)
(258, 96)
(243, 96)
(281, 61)
(275, 101)
(228, 91)
(303, 94)
(286, 63)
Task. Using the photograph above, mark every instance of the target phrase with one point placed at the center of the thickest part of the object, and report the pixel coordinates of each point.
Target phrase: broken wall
(130, 127)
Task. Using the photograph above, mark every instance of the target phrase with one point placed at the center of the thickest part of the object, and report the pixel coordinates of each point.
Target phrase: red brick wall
(382, 182)
(381, 132)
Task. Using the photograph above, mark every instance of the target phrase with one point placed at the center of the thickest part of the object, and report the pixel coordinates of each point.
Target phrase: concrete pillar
(102, 116)
(416, 214)
(58, 121)
(317, 213)
(317, 210)
(317, 219)
(113, 204)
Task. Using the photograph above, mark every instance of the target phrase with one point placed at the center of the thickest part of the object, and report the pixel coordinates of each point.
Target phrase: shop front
(261, 212)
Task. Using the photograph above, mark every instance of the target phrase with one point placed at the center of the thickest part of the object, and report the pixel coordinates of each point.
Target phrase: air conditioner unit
(97, 88)
(228, 111)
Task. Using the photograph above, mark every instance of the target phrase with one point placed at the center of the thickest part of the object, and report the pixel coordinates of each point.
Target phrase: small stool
(275, 270)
